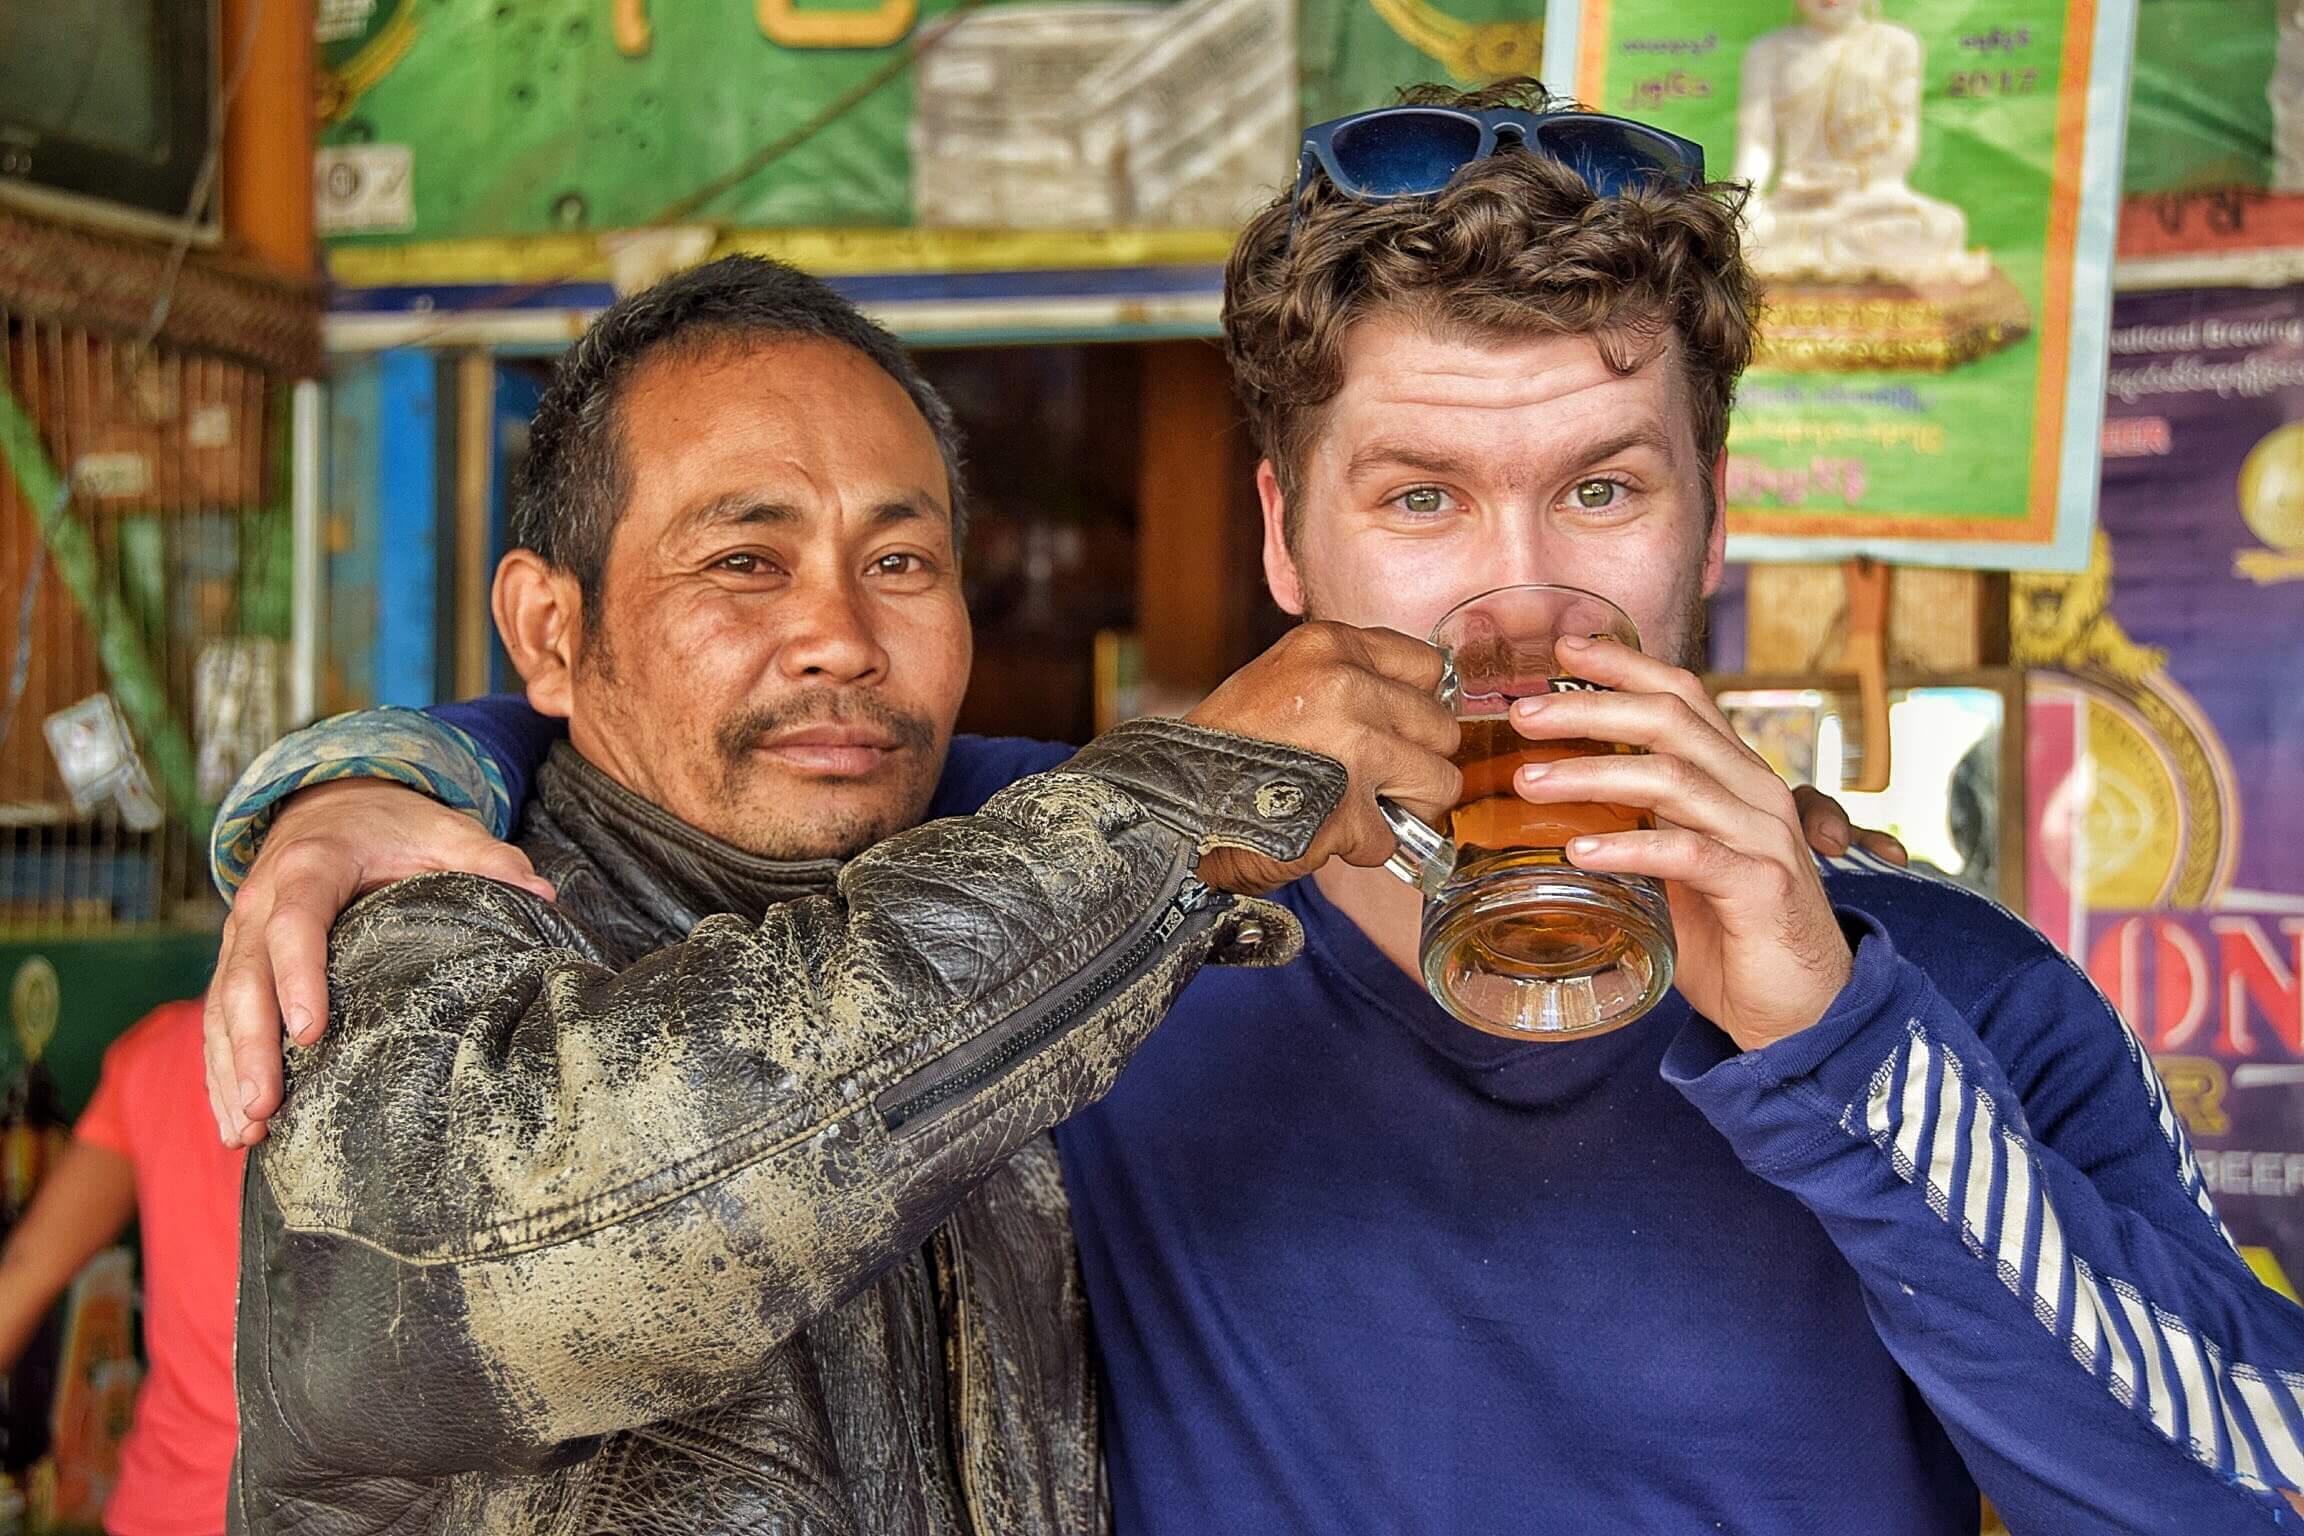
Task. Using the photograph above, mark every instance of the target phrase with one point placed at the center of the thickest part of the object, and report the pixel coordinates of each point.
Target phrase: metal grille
(144, 610)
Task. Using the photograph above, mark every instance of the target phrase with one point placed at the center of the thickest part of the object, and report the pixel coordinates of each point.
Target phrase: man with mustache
(712, 1195)
(1884, 1204)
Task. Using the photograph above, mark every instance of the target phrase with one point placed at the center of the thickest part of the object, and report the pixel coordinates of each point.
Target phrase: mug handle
(1423, 857)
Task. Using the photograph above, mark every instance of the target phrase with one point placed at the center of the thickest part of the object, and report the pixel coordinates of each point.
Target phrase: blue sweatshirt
(1356, 1268)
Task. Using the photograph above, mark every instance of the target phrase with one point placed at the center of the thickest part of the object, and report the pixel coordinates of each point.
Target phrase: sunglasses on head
(1396, 152)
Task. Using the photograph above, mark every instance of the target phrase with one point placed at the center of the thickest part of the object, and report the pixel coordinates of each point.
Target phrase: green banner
(69, 998)
(2216, 145)
(480, 120)
(1357, 54)
(2200, 114)
(526, 117)
(513, 140)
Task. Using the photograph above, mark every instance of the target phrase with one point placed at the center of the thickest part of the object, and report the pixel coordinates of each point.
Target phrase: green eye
(1597, 493)
(1424, 498)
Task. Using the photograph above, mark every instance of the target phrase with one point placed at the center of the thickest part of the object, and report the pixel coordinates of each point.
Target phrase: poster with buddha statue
(1932, 191)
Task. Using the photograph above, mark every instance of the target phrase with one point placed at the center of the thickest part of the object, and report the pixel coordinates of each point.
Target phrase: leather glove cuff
(1217, 789)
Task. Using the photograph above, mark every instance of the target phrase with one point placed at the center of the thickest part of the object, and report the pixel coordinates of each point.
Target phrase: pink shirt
(150, 1107)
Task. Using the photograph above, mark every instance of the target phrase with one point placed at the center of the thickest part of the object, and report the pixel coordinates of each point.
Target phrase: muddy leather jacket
(716, 1197)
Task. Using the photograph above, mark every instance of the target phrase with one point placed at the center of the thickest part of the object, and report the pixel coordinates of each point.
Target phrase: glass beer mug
(1518, 941)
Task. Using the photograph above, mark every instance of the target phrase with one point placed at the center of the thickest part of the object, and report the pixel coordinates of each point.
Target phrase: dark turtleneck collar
(650, 861)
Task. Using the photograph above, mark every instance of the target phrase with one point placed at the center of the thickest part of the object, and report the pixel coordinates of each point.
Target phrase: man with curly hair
(1882, 1206)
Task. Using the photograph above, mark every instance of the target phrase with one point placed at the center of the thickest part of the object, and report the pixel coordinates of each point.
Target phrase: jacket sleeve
(424, 751)
(2037, 1246)
(518, 1198)
(510, 735)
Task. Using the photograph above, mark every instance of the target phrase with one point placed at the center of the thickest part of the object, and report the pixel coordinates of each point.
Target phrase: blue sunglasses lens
(1401, 154)
(1612, 157)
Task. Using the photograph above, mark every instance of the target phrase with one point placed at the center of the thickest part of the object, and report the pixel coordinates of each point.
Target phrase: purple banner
(2167, 750)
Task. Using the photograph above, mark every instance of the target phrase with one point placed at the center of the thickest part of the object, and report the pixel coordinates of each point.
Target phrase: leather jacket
(716, 1196)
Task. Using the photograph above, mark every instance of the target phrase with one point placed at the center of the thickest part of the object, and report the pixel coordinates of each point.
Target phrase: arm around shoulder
(521, 1195)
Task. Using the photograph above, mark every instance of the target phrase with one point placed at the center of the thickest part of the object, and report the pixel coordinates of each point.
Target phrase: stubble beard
(829, 831)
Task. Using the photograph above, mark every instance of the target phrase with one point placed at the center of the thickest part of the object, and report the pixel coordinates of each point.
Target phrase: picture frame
(1956, 794)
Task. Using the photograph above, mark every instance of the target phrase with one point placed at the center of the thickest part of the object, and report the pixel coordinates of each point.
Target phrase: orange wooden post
(268, 134)
(1867, 656)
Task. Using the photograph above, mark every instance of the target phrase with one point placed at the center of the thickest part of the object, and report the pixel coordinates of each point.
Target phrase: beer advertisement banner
(2167, 753)
(1933, 208)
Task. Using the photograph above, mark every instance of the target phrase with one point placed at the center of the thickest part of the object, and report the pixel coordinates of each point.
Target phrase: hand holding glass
(1517, 941)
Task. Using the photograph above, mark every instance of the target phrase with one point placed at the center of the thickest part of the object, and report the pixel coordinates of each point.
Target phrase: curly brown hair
(1517, 244)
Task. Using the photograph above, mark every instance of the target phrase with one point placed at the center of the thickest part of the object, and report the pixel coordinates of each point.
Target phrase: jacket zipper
(943, 1359)
(950, 1306)
(924, 1093)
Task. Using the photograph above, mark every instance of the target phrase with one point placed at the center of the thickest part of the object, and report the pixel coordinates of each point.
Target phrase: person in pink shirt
(146, 1149)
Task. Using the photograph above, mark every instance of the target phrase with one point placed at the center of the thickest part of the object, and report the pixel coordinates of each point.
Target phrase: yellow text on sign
(784, 23)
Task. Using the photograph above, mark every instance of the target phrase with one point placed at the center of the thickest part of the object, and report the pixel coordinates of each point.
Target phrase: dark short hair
(577, 478)
(1518, 244)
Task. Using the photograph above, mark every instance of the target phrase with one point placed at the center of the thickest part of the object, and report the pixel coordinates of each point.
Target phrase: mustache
(741, 733)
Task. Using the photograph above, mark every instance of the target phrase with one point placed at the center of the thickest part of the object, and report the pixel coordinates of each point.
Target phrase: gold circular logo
(1495, 49)
(2272, 487)
(35, 999)
(2134, 825)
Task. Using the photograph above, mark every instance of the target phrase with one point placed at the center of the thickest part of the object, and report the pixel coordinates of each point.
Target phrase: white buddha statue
(1827, 130)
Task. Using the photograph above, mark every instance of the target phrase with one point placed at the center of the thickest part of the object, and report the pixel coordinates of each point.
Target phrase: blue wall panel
(406, 667)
